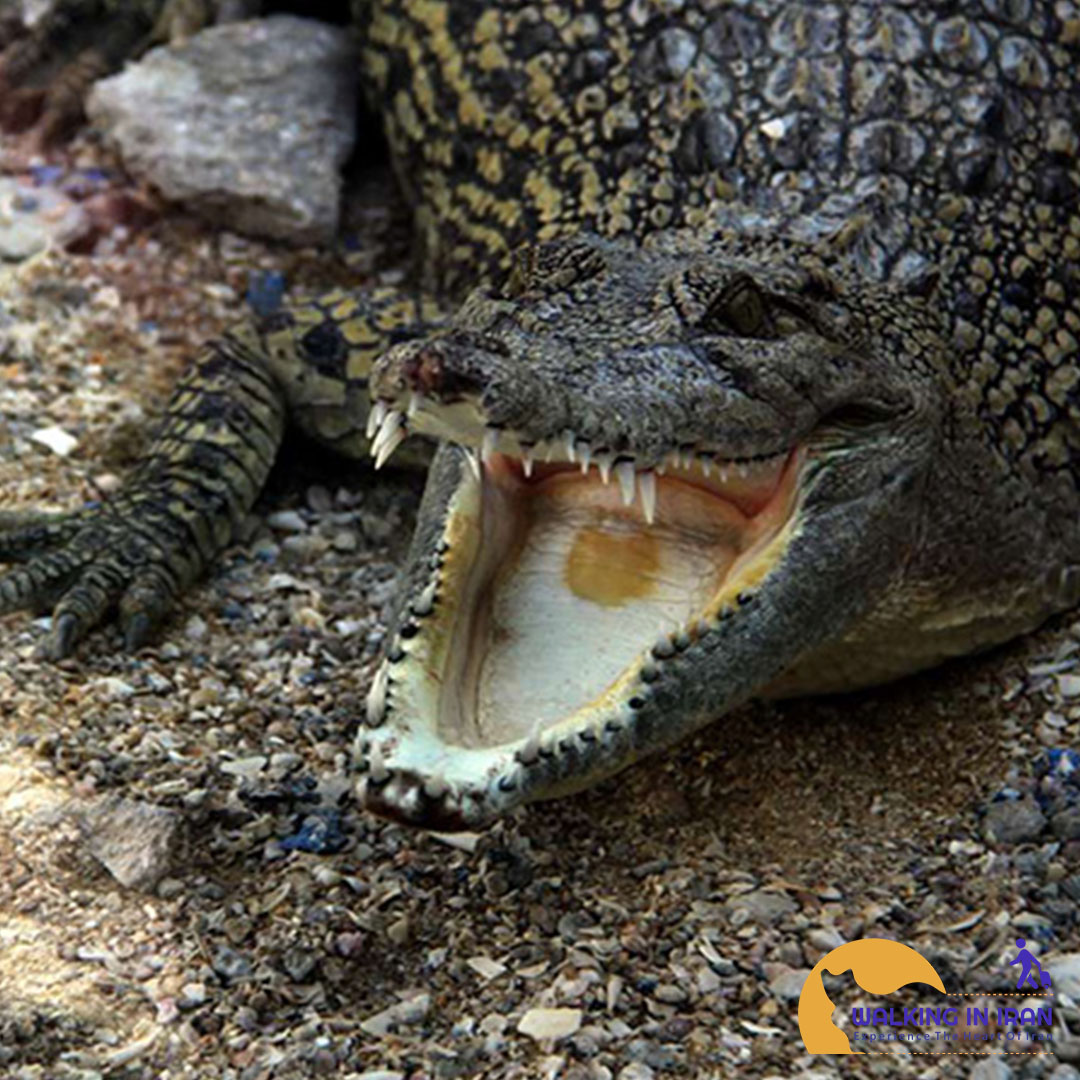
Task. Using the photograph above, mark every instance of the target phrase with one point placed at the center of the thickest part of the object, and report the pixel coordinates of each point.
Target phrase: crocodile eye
(740, 309)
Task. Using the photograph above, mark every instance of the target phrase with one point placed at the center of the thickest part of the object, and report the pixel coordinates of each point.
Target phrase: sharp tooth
(647, 483)
(376, 415)
(489, 445)
(416, 403)
(744, 472)
(424, 604)
(379, 772)
(568, 442)
(663, 648)
(603, 463)
(585, 450)
(531, 750)
(376, 699)
(388, 424)
(685, 459)
(391, 435)
(474, 462)
(435, 787)
(624, 473)
(527, 460)
(673, 461)
(724, 473)
(706, 465)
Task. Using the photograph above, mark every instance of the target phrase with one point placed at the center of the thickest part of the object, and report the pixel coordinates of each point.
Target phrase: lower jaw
(549, 604)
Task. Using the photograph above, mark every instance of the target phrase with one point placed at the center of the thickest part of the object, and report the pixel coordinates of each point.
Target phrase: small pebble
(289, 521)
(549, 1024)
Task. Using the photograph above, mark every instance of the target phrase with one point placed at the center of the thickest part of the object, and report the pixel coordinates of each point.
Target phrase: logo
(1027, 962)
(880, 966)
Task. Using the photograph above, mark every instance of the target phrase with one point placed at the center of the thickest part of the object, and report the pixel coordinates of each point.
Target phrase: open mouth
(562, 581)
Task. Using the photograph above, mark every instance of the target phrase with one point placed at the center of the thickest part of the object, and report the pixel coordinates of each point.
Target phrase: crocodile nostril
(424, 370)
(441, 369)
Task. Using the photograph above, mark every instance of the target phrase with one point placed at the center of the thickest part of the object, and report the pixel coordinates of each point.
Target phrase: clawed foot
(87, 563)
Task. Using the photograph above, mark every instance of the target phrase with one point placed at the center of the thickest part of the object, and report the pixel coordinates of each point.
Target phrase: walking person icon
(1028, 966)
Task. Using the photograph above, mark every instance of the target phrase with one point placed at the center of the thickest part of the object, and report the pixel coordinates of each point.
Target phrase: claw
(137, 632)
(65, 636)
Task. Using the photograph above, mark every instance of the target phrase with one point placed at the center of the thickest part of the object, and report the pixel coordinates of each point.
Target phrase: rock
(56, 439)
(1014, 820)
(192, 995)
(990, 1068)
(299, 962)
(486, 968)
(670, 994)
(1066, 824)
(825, 938)
(787, 985)
(636, 1070)
(1069, 685)
(550, 1024)
(287, 521)
(134, 841)
(245, 768)
(230, 964)
(402, 1014)
(33, 218)
(760, 906)
(246, 124)
(1065, 974)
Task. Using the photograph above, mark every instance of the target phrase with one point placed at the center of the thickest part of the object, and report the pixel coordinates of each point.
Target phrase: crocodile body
(801, 280)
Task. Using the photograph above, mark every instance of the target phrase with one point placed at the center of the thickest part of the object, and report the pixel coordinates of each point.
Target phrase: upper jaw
(480, 392)
(462, 387)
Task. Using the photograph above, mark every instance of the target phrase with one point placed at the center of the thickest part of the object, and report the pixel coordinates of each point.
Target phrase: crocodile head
(668, 473)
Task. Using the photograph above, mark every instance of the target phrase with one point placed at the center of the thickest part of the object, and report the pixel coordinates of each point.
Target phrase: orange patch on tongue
(612, 568)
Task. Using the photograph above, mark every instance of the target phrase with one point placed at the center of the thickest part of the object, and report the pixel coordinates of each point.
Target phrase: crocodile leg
(27, 533)
(139, 549)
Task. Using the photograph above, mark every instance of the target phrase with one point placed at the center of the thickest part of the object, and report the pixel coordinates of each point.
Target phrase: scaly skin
(833, 246)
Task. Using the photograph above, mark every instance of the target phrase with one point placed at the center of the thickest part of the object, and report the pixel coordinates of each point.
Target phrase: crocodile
(747, 331)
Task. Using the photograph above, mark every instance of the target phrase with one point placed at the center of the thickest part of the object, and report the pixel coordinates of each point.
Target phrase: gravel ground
(187, 890)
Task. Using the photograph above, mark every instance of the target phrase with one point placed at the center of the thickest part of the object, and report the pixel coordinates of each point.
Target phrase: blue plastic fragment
(45, 174)
(265, 291)
(320, 833)
(1064, 761)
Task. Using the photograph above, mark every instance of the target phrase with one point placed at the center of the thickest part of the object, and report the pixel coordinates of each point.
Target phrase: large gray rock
(247, 124)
